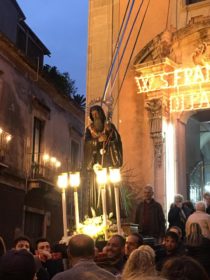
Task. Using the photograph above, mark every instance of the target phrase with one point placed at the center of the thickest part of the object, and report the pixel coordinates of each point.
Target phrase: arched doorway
(198, 154)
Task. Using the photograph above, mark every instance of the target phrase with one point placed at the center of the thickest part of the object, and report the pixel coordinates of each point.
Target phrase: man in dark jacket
(150, 217)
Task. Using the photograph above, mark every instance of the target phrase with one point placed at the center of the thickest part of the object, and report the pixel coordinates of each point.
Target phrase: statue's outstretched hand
(102, 138)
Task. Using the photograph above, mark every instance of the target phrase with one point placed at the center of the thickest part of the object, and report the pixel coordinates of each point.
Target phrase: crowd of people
(181, 252)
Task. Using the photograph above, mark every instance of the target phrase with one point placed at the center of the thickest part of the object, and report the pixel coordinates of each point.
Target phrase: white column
(64, 213)
(76, 209)
(103, 197)
(117, 205)
(170, 163)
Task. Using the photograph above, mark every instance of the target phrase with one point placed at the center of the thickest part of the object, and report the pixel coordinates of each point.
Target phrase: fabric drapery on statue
(102, 141)
(102, 146)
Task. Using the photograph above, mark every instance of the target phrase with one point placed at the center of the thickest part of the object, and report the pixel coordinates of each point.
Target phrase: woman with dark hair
(183, 268)
(198, 247)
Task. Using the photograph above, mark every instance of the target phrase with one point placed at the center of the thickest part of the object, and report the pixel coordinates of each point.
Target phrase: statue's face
(97, 120)
(95, 115)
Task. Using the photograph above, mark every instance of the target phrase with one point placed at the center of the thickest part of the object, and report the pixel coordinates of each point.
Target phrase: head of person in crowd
(183, 268)
(177, 230)
(206, 197)
(80, 246)
(17, 265)
(59, 251)
(141, 262)
(195, 237)
(189, 205)
(148, 193)
(22, 242)
(115, 247)
(178, 200)
(147, 248)
(133, 241)
(43, 249)
(171, 242)
(200, 206)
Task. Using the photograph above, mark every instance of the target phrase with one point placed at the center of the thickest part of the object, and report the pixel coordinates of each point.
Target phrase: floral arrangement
(95, 227)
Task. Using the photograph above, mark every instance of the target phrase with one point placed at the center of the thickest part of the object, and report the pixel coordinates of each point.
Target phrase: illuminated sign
(189, 102)
(189, 87)
(178, 78)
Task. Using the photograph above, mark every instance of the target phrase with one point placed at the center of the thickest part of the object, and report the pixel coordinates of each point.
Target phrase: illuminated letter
(198, 76)
(151, 83)
(177, 77)
(165, 85)
(207, 72)
(191, 102)
(188, 76)
(145, 81)
(174, 104)
(138, 85)
(204, 102)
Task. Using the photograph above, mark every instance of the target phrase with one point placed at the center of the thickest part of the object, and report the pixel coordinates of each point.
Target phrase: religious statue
(102, 147)
(102, 141)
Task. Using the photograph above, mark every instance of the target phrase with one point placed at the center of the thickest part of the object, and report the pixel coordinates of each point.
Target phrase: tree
(80, 100)
(61, 81)
(64, 84)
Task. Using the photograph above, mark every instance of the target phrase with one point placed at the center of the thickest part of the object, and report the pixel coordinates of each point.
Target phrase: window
(189, 2)
(33, 224)
(37, 137)
(74, 155)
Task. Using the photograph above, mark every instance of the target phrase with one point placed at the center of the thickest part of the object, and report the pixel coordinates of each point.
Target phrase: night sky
(62, 26)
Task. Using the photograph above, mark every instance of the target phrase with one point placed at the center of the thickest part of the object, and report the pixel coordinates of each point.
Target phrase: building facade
(159, 81)
(41, 135)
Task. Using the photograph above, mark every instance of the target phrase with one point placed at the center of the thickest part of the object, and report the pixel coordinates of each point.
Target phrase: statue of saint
(102, 141)
(102, 146)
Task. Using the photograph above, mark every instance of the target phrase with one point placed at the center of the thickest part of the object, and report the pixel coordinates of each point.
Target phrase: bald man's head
(81, 245)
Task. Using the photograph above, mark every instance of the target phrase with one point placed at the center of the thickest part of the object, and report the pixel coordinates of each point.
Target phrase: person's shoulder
(157, 203)
(105, 272)
(62, 275)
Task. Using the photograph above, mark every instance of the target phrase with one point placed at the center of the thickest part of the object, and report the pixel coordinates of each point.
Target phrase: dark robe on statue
(102, 146)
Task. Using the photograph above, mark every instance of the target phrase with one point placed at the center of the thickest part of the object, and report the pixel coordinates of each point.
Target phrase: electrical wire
(118, 44)
(129, 35)
(169, 3)
(131, 55)
(176, 15)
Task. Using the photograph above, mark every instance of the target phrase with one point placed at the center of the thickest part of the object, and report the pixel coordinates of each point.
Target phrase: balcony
(5, 139)
(44, 171)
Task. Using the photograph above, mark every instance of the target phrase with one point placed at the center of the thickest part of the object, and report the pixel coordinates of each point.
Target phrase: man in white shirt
(200, 217)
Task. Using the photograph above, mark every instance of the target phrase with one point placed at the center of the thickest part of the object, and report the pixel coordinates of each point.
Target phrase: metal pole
(117, 204)
(103, 196)
(64, 213)
(76, 209)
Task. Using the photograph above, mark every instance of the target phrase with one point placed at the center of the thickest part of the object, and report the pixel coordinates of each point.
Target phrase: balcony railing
(46, 168)
(5, 138)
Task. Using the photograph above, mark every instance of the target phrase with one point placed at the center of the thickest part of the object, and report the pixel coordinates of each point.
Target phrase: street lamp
(115, 178)
(101, 177)
(74, 182)
(63, 184)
